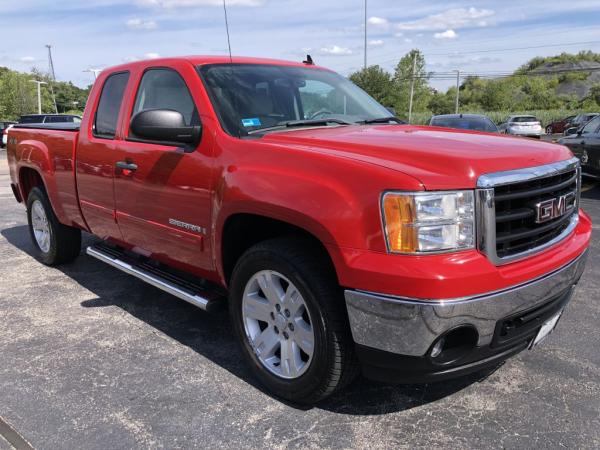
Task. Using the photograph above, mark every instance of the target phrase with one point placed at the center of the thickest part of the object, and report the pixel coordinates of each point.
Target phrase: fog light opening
(438, 347)
(454, 345)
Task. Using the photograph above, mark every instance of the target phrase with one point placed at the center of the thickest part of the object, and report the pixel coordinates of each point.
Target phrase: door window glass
(165, 89)
(107, 114)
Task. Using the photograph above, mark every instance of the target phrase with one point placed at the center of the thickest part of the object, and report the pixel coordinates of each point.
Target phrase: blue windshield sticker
(254, 122)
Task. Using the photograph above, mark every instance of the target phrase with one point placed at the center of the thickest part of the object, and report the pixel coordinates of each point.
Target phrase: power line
(531, 47)
(498, 75)
(500, 50)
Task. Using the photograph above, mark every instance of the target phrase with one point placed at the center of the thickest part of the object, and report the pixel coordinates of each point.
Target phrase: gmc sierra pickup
(339, 238)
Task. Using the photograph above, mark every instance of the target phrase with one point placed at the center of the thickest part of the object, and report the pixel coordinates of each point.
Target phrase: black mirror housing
(164, 126)
(571, 131)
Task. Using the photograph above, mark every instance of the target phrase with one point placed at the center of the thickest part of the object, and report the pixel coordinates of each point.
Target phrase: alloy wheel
(40, 225)
(278, 325)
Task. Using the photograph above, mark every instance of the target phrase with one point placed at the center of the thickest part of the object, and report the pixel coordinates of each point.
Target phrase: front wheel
(54, 242)
(288, 313)
(549, 130)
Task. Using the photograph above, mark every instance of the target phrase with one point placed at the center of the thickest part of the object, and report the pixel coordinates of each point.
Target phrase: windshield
(252, 97)
(465, 123)
(524, 119)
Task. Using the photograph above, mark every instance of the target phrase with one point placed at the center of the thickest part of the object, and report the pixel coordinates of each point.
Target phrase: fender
(32, 154)
(336, 206)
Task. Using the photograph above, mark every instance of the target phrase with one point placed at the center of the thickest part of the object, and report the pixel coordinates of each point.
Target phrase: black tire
(333, 364)
(65, 241)
(549, 130)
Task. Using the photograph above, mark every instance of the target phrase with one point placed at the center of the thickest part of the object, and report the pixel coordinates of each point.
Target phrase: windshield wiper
(302, 123)
(382, 120)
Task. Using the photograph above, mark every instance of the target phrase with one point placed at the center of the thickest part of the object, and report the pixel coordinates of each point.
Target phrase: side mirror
(164, 126)
(571, 131)
(391, 110)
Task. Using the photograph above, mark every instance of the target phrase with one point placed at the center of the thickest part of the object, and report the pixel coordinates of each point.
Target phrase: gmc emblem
(554, 208)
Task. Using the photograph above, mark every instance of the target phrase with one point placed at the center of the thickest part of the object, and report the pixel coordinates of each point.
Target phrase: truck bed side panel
(51, 154)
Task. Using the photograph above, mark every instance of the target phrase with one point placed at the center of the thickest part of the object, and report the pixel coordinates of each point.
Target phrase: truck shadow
(211, 336)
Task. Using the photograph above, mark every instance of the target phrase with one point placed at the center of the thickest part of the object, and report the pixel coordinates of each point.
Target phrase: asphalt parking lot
(92, 358)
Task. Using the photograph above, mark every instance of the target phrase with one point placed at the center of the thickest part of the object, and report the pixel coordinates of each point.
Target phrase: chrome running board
(185, 290)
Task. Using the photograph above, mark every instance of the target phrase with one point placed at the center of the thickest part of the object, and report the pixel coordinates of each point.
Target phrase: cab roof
(211, 59)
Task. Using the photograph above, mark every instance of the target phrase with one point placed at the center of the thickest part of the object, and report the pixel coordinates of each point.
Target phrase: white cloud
(27, 59)
(449, 19)
(376, 43)
(378, 21)
(448, 34)
(168, 4)
(336, 50)
(151, 55)
(140, 24)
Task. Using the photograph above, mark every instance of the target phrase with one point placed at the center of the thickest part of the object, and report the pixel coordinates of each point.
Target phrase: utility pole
(412, 86)
(52, 75)
(457, 91)
(365, 65)
(39, 93)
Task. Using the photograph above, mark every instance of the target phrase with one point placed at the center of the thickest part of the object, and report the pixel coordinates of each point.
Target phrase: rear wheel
(549, 130)
(288, 312)
(54, 242)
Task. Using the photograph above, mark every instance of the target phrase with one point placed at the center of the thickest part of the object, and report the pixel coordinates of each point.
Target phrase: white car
(5, 135)
(529, 126)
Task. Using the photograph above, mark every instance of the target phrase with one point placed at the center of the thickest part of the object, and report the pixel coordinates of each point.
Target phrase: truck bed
(49, 150)
(63, 126)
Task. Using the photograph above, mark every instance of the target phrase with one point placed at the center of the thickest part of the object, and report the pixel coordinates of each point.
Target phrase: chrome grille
(524, 211)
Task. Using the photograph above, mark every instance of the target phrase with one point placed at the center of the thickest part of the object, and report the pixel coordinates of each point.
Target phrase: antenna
(227, 29)
(365, 66)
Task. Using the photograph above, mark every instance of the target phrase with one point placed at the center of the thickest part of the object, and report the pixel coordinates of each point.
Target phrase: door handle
(126, 166)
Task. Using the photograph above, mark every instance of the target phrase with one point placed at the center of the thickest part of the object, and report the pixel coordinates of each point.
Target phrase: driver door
(163, 205)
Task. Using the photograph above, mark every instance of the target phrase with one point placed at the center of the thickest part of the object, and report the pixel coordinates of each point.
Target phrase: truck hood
(440, 158)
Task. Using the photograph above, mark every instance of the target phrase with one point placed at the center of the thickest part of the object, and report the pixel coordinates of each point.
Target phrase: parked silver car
(522, 125)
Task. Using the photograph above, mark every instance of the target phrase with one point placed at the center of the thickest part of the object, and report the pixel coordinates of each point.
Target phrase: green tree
(17, 94)
(595, 93)
(377, 82)
(403, 75)
(442, 103)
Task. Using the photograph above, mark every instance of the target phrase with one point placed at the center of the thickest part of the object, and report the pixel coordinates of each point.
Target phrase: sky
(472, 36)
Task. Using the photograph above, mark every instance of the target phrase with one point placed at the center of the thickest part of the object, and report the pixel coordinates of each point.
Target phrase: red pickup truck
(340, 238)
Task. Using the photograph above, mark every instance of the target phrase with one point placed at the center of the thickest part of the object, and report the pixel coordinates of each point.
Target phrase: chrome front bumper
(410, 326)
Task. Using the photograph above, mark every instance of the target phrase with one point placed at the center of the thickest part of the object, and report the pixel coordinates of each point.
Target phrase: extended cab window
(107, 114)
(165, 89)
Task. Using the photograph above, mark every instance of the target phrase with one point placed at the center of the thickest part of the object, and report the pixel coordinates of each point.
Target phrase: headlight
(429, 222)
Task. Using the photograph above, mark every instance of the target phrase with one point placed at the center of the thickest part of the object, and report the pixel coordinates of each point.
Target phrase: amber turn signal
(399, 213)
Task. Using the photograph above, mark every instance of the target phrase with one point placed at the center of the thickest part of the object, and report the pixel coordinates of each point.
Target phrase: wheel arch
(29, 178)
(242, 230)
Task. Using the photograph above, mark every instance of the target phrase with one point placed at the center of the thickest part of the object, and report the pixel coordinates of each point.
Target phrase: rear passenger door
(163, 205)
(96, 156)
